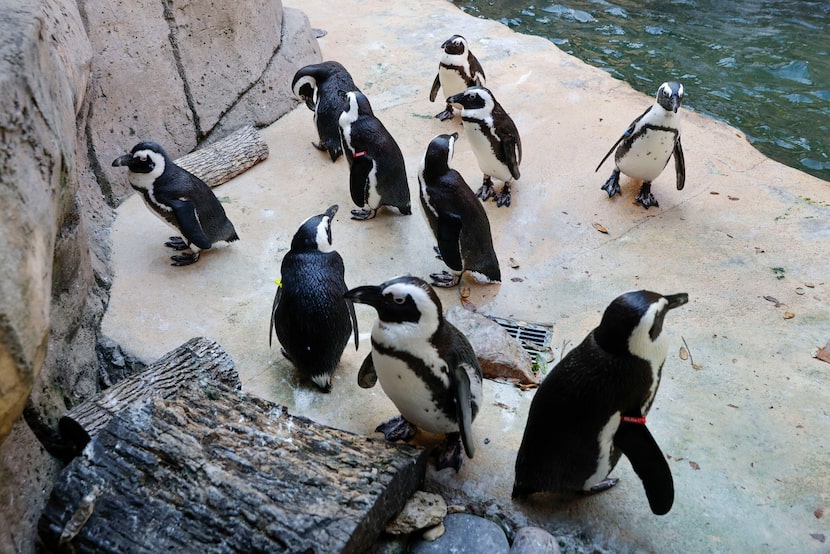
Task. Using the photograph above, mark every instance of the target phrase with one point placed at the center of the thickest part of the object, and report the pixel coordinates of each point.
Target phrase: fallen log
(218, 470)
(198, 358)
(223, 160)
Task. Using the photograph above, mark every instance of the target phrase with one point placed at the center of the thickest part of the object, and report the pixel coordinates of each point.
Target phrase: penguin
(310, 316)
(458, 69)
(377, 175)
(180, 199)
(592, 407)
(328, 80)
(456, 217)
(643, 151)
(494, 139)
(425, 365)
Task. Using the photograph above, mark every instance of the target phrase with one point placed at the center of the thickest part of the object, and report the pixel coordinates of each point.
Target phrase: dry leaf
(697, 366)
(819, 537)
(527, 386)
(713, 192)
(800, 291)
(684, 354)
(733, 197)
(823, 354)
(810, 285)
(513, 263)
(789, 315)
(599, 227)
(774, 300)
(732, 405)
(465, 292)
(517, 279)
(818, 513)
(694, 465)
(468, 305)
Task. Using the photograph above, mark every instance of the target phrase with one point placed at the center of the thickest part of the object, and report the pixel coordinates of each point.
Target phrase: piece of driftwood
(223, 160)
(196, 359)
(218, 470)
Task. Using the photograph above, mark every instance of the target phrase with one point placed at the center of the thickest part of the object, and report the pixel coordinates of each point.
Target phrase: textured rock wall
(80, 83)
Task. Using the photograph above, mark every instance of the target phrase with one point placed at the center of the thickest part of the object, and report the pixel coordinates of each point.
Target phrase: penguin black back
(591, 407)
(311, 318)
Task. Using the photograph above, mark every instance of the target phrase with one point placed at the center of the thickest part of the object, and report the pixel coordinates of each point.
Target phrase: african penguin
(643, 151)
(311, 318)
(494, 139)
(424, 364)
(377, 176)
(456, 217)
(180, 199)
(329, 81)
(591, 407)
(458, 69)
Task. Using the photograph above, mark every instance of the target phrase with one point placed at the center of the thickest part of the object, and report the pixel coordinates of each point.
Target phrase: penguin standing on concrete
(329, 81)
(494, 139)
(458, 69)
(311, 318)
(425, 365)
(592, 407)
(180, 199)
(456, 217)
(377, 176)
(646, 146)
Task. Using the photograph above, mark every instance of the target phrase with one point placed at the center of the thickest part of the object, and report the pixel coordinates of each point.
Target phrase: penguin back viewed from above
(425, 366)
(643, 151)
(457, 70)
(494, 139)
(457, 219)
(321, 86)
(311, 318)
(377, 175)
(180, 199)
(592, 406)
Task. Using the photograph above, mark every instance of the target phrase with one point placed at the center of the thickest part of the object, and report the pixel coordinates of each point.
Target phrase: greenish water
(761, 66)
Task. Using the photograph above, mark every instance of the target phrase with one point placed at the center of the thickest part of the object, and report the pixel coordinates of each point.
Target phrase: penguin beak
(675, 102)
(122, 160)
(454, 98)
(369, 294)
(331, 211)
(676, 300)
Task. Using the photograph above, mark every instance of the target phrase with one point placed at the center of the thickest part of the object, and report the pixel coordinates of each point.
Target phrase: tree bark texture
(223, 160)
(218, 470)
(198, 358)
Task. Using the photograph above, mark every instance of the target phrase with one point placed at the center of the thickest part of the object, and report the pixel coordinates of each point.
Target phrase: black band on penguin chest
(164, 211)
(648, 127)
(441, 397)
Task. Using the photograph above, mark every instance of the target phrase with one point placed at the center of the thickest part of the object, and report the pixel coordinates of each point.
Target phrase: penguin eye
(142, 157)
(399, 299)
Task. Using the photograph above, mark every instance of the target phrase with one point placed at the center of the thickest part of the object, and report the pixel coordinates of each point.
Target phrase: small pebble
(534, 540)
(422, 510)
(434, 533)
(465, 534)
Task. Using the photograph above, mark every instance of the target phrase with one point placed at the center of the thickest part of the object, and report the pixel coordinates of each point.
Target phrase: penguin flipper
(367, 377)
(512, 147)
(625, 135)
(189, 224)
(273, 324)
(353, 316)
(448, 235)
(362, 166)
(463, 404)
(648, 462)
(436, 84)
(476, 71)
(679, 164)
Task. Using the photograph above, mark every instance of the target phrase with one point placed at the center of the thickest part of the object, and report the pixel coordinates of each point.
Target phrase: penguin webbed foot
(452, 453)
(176, 243)
(602, 486)
(503, 197)
(485, 192)
(612, 185)
(444, 279)
(363, 214)
(645, 198)
(319, 146)
(185, 258)
(448, 113)
(397, 429)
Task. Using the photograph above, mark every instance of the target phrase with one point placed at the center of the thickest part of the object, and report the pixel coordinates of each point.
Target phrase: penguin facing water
(310, 317)
(643, 151)
(322, 87)
(425, 365)
(178, 198)
(457, 70)
(457, 219)
(592, 406)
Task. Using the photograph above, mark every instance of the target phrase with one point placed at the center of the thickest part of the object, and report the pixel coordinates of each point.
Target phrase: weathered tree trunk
(217, 470)
(223, 160)
(197, 358)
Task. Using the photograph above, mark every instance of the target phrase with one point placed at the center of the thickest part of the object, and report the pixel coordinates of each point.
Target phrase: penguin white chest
(410, 393)
(482, 144)
(451, 81)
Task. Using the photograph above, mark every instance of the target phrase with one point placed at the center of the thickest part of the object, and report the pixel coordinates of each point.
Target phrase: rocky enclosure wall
(80, 83)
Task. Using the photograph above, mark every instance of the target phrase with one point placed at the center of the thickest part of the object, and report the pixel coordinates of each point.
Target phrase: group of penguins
(590, 408)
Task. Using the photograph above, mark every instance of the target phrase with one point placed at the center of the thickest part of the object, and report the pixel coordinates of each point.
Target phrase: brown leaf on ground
(684, 354)
(823, 354)
(774, 300)
(818, 513)
(819, 537)
(600, 227)
(513, 263)
(694, 465)
(789, 315)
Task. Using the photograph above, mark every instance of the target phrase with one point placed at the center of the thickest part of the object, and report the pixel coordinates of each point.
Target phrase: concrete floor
(747, 426)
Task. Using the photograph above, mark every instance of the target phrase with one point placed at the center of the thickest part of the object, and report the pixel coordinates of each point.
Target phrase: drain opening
(534, 338)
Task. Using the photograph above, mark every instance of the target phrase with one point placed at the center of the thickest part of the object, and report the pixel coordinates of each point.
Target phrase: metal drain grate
(534, 338)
